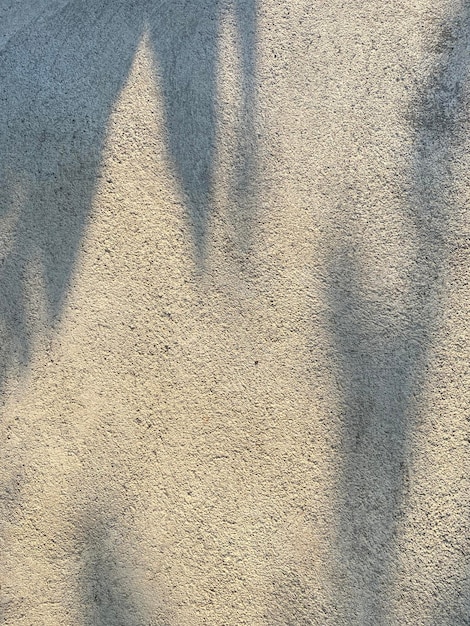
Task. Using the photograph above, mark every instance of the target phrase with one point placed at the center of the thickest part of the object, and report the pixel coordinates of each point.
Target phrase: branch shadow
(61, 74)
(384, 359)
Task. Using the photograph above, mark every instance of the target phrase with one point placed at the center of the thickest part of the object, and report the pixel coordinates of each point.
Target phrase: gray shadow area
(383, 360)
(61, 71)
(109, 597)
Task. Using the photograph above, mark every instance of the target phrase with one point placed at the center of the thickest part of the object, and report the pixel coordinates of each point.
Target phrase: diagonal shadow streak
(61, 73)
(383, 359)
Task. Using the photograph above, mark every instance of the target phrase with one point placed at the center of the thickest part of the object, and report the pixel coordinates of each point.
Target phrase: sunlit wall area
(233, 313)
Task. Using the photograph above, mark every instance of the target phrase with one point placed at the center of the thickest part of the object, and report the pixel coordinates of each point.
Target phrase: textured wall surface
(234, 298)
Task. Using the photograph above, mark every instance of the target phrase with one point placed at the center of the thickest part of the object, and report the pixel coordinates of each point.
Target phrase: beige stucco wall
(234, 312)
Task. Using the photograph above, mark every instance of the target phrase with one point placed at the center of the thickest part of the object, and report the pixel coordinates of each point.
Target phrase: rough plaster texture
(234, 312)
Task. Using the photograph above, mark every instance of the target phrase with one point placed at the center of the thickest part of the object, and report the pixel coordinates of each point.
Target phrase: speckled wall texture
(234, 312)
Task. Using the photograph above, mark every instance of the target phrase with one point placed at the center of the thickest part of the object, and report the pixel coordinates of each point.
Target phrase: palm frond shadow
(61, 74)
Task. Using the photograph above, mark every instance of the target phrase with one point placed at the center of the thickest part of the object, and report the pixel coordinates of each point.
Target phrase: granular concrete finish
(233, 312)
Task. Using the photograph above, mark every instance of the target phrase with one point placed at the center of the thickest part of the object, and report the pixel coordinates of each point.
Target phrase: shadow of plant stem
(242, 196)
(383, 357)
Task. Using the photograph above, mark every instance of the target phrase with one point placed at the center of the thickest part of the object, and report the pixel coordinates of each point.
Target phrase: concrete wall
(234, 312)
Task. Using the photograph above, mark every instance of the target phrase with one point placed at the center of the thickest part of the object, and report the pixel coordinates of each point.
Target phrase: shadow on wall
(383, 356)
(109, 597)
(61, 71)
